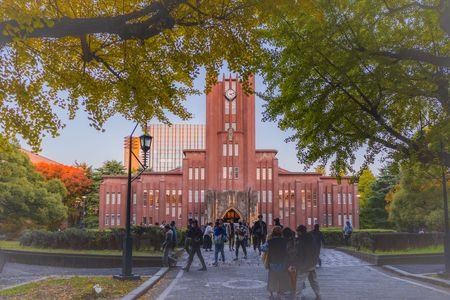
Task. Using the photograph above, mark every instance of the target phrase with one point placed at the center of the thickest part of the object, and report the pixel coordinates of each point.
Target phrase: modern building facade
(226, 176)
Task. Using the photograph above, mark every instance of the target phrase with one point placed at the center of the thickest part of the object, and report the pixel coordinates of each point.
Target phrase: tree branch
(413, 54)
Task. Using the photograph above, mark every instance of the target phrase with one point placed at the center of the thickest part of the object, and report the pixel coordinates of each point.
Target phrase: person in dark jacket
(319, 240)
(187, 240)
(168, 244)
(278, 279)
(220, 236)
(241, 237)
(306, 259)
(174, 235)
(259, 233)
(195, 234)
(276, 221)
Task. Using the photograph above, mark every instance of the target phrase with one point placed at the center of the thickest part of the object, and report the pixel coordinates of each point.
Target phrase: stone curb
(143, 288)
(427, 279)
(26, 282)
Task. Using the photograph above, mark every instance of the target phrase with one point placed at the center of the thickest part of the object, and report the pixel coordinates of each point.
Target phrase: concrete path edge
(436, 281)
(148, 284)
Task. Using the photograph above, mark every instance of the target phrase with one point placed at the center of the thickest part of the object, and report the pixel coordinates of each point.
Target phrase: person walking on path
(174, 235)
(319, 240)
(167, 245)
(241, 237)
(276, 221)
(196, 236)
(348, 230)
(259, 233)
(231, 235)
(277, 262)
(305, 260)
(220, 236)
(187, 240)
(207, 237)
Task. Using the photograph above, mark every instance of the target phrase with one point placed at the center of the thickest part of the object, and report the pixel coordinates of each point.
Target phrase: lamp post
(145, 143)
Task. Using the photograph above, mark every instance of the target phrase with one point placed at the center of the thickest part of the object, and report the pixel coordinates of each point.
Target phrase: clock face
(230, 94)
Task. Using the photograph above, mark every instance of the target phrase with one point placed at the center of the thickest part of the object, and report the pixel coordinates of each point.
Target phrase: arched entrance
(231, 216)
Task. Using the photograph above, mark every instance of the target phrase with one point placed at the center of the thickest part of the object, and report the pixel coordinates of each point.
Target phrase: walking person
(207, 237)
(277, 262)
(187, 240)
(196, 236)
(259, 233)
(220, 236)
(348, 230)
(319, 240)
(231, 235)
(241, 237)
(174, 235)
(305, 260)
(289, 236)
(277, 222)
(167, 244)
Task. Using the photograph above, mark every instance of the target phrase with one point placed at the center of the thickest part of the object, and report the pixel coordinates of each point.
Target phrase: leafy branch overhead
(135, 58)
(369, 75)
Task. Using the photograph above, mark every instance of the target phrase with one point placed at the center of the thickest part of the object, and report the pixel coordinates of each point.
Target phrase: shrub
(395, 240)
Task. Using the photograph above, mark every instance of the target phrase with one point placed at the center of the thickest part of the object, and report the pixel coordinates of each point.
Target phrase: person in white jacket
(207, 237)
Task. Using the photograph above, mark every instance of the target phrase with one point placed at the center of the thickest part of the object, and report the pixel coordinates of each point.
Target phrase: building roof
(36, 158)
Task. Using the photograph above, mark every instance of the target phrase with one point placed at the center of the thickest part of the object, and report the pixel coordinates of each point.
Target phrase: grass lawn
(72, 288)
(15, 245)
(424, 250)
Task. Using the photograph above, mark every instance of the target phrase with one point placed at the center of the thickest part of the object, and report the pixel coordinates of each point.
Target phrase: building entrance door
(231, 216)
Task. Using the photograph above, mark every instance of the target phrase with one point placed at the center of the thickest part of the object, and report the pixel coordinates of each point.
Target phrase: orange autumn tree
(76, 183)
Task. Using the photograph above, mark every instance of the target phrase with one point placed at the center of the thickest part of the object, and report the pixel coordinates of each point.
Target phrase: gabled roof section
(36, 158)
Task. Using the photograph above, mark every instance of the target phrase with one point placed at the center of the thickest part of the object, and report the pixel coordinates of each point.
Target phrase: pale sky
(80, 142)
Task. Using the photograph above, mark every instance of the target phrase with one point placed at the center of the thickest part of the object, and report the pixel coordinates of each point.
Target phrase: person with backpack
(174, 235)
(348, 230)
(241, 237)
(220, 237)
(305, 260)
(259, 233)
(207, 237)
(195, 234)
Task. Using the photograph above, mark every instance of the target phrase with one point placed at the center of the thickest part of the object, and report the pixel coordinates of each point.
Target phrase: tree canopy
(364, 182)
(370, 75)
(134, 58)
(26, 199)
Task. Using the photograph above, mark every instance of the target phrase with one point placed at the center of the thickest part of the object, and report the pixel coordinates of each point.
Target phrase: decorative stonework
(244, 203)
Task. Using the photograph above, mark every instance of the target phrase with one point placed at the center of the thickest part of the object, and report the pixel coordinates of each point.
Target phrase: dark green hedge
(143, 238)
(334, 236)
(395, 240)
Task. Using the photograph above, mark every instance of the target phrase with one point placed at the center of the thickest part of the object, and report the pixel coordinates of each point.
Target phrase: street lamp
(145, 142)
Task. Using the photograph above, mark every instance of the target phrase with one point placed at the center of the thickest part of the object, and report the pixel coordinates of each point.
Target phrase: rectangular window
(236, 172)
(134, 219)
(339, 198)
(236, 149)
(227, 107)
(118, 198)
(270, 219)
(264, 217)
(230, 172)
(350, 218)
(145, 198)
(144, 220)
(269, 173)
(259, 196)
(309, 221)
(134, 199)
(150, 198)
(339, 220)
(308, 198)
(233, 107)
(303, 199)
(202, 196)
(258, 173)
(350, 198)
(281, 214)
(329, 198)
(196, 174)
(227, 125)
(113, 198)
(330, 220)
(315, 221)
(173, 212)
(107, 198)
(157, 199)
(196, 196)
(230, 149)
(113, 219)
(202, 173)
(180, 198)
(344, 198)
(233, 125)
(269, 196)
(224, 172)
(314, 199)
(224, 150)
(106, 219)
(263, 196)
(118, 220)
(263, 173)
(324, 199)
(190, 196)
(190, 173)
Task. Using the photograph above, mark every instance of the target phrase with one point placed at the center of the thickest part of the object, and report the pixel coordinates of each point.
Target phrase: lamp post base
(127, 277)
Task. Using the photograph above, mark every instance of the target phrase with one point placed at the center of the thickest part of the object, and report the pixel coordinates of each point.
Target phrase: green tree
(417, 202)
(134, 58)
(26, 199)
(375, 212)
(364, 182)
(110, 167)
(367, 74)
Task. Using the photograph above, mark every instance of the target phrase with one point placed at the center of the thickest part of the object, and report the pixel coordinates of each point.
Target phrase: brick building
(227, 177)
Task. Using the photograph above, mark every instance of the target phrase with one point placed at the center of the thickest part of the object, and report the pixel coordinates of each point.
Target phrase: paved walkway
(14, 274)
(341, 277)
